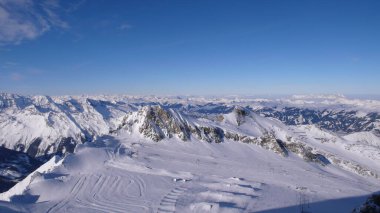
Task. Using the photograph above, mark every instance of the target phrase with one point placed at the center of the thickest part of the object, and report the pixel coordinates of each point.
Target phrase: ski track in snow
(126, 193)
(169, 201)
(141, 176)
(96, 192)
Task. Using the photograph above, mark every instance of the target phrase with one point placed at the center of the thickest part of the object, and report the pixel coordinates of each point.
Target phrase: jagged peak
(96, 115)
(14, 100)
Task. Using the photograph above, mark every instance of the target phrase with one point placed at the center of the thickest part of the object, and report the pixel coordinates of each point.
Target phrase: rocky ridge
(43, 125)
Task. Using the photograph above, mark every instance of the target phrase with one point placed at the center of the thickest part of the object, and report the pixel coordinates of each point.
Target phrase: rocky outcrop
(241, 114)
(159, 123)
(351, 166)
(310, 154)
(210, 134)
(33, 147)
(269, 141)
(307, 153)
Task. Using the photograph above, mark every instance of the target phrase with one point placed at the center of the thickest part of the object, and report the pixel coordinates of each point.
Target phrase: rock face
(210, 134)
(241, 113)
(269, 142)
(307, 153)
(14, 166)
(158, 123)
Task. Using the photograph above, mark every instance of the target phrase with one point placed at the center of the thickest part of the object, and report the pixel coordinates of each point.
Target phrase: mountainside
(43, 125)
(15, 166)
(327, 132)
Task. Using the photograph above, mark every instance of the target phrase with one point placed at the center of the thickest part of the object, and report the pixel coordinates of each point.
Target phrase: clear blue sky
(197, 47)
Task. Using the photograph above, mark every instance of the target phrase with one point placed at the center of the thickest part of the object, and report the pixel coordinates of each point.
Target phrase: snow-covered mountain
(329, 133)
(15, 166)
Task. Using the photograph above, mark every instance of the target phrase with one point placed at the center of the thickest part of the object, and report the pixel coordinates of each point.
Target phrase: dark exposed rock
(66, 145)
(212, 134)
(34, 147)
(160, 123)
(241, 113)
(269, 141)
(246, 139)
(317, 158)
(232, 136)
(306, 153)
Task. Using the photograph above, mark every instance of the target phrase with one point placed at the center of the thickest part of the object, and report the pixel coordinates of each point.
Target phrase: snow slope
(127, 174)
(192, 154)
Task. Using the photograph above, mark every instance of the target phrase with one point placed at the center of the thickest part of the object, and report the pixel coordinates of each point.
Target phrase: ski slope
(125, 173)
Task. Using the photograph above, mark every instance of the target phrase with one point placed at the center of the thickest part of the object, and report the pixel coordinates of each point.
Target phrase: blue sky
(199, 47)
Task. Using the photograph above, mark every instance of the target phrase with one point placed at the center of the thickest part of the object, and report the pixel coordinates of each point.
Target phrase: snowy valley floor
(123, 174)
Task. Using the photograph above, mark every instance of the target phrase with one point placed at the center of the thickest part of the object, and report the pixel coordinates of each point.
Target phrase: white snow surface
(121, 171)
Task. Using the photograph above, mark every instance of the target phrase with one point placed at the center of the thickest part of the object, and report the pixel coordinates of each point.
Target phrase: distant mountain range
(327, 130)
(41, 125)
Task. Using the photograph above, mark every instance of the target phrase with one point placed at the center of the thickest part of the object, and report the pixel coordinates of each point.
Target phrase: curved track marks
(105, 193)
(169, 201)
(73, 193)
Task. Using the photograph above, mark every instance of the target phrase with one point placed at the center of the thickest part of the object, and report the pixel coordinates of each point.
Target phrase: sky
(183, 47)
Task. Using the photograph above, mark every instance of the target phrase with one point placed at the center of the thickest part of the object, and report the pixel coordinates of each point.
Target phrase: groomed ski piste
(128, 173)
